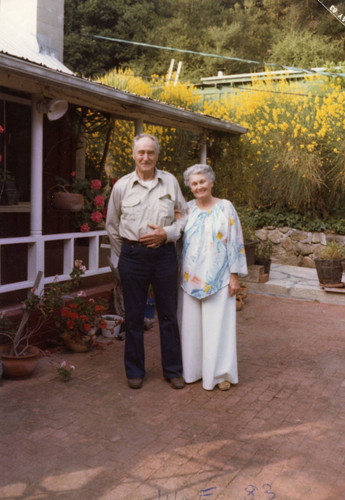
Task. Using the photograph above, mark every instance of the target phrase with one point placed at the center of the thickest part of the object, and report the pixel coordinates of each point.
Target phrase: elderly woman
(213, 258)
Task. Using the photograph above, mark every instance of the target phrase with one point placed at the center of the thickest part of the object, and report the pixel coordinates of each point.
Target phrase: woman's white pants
(208, 338)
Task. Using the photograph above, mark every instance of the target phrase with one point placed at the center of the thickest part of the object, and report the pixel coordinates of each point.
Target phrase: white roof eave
(32, 78)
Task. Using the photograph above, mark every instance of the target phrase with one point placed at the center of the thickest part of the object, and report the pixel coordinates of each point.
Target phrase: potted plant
(62, 199)
(249, 237)
(19, 357)
(95, 193)
(329, 263)
(78, 320)
(112, 326)
(54, 308)
(263, 254)
(9, 194)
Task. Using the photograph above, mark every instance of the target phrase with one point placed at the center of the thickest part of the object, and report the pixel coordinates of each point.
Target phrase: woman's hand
(234, 285)
(178, 214)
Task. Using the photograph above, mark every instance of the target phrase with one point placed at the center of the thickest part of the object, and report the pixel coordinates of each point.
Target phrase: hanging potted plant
(95, 193)
(329, 264)
(63, 199)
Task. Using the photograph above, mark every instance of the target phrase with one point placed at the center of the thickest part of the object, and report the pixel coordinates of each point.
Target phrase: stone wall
(295, 247)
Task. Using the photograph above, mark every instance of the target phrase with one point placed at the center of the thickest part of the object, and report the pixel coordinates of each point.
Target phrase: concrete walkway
(297, 283)
(278, 434)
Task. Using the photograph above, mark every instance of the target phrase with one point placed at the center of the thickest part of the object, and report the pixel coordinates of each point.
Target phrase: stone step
(296, 283)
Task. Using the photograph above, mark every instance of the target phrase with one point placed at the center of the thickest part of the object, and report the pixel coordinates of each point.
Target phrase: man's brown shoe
(177, 382)
(135, 383)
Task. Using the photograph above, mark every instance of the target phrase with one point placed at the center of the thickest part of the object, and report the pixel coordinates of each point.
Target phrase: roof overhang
(24, 76)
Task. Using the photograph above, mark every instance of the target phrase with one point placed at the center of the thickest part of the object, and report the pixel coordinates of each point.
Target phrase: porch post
(36, 169)
(139, 127)
(36, 250)
(203, 149)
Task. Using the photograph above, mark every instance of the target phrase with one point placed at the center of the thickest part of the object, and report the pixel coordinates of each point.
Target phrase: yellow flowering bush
(293, 154)
(293, 151)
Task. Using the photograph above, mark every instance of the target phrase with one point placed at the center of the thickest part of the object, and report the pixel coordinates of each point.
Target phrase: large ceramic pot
(84, 344)
(19, 366)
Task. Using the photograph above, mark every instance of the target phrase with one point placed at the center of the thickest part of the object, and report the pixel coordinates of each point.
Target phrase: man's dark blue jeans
(138, 267)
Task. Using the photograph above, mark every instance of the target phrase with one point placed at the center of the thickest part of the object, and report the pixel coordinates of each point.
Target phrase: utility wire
(205, 54)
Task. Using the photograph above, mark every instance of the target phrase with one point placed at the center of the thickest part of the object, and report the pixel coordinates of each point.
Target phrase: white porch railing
(36, 257)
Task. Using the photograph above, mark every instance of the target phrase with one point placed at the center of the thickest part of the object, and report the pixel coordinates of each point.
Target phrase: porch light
(53, 108)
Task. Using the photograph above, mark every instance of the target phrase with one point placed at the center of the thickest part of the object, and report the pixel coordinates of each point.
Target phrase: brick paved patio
(278, 434)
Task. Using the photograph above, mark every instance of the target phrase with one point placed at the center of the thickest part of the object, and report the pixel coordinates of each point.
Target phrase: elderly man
(143, 232)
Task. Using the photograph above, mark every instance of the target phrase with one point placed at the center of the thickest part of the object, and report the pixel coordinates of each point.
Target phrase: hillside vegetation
(288, 32)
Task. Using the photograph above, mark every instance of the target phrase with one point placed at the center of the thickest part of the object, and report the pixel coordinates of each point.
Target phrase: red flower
(73, 173)
(96, 217)
(84, 228)
(1, 129)
(98, 201)
(70, 324)
(65, 312)
(96, 184)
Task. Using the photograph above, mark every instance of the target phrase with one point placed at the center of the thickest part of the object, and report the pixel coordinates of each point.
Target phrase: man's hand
(155, 238)
(234, 285)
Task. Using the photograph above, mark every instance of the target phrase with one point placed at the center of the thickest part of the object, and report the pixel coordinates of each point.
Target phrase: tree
(288, 32)
(123, 19)
(306, 50)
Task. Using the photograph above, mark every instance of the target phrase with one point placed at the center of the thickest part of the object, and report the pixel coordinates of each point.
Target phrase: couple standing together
(146, 216)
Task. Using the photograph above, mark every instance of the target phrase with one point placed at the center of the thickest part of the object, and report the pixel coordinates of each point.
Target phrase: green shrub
(264, 250)
(333, 250)
(279, 217)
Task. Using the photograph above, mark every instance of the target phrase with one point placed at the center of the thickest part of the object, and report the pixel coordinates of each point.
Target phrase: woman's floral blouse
(212, 249)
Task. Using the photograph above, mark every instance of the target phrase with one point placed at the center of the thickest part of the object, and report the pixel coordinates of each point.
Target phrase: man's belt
(134, 243)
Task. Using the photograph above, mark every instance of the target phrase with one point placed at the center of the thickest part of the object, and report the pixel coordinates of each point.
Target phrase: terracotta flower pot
(239, 303)
(85, 344)
(71, 202)
(242, 293)
(19, 366)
